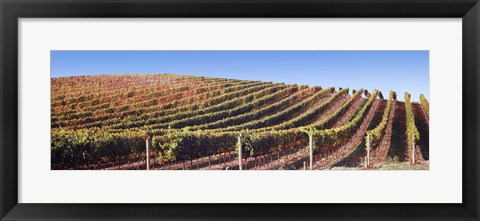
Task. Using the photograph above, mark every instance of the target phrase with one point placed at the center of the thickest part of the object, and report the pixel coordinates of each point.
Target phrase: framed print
(239, 110)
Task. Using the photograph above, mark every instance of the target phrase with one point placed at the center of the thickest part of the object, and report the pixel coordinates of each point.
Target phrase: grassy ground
(392, 164)
(404, 166)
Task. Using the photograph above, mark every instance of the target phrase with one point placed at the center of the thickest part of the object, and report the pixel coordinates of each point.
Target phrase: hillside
(106, 121)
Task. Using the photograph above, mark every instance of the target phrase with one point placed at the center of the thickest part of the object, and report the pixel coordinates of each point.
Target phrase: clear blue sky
(384, 70)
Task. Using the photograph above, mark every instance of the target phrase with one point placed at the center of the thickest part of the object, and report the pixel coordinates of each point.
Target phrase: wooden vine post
(239, 153)
(147, 156)
(413, 148)
(367, 161)
(310, 136)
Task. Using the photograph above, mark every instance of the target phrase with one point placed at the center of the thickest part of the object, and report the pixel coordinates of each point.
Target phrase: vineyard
(179, 122)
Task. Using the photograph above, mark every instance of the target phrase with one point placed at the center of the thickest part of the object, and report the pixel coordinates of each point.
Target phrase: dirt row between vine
(333, 106)
(422, 124)
(381, 153)
(354, 107)
(345, 150)
(297, 158)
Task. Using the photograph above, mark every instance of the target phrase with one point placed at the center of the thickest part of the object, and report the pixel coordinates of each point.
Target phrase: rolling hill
(191, 122)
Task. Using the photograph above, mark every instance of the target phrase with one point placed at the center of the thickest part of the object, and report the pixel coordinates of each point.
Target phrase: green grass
(404, 166)
(391, 164)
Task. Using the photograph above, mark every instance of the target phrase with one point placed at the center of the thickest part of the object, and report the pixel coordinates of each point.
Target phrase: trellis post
(413, 148)
(147, 156)
(310, 136)
(239, 153)
(367, 162)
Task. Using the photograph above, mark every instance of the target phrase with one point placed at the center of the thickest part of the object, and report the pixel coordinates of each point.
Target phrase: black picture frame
(11, 11)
